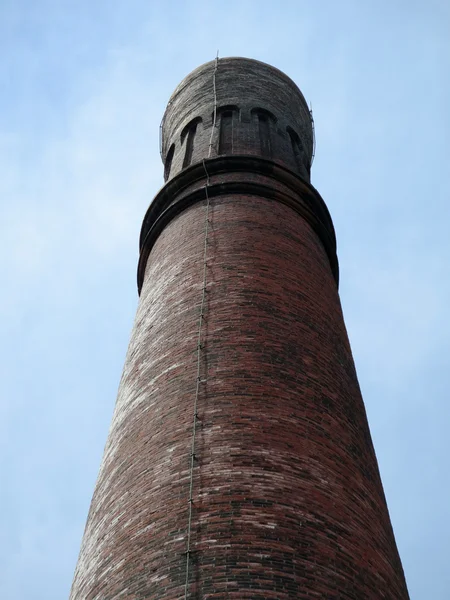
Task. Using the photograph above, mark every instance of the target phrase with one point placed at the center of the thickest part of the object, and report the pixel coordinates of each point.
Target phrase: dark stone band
(270, 180)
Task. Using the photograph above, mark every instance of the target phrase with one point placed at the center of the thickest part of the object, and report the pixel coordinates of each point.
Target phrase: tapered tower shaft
(239, 462)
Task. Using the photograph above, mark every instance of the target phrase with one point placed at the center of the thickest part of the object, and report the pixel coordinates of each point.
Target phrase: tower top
(237, 125)
(250, 89)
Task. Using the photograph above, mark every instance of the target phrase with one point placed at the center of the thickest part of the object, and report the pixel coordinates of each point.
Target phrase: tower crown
(245, 107)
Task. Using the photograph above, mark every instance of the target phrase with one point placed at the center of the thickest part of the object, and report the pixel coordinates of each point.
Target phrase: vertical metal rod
(199, 347)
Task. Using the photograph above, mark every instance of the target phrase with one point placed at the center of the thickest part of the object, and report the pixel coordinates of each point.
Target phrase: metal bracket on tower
(313, 133)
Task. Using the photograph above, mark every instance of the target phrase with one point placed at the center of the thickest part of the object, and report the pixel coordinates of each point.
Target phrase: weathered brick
(287, 497)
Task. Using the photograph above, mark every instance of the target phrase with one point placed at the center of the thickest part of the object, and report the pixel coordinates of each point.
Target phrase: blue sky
(84, 88)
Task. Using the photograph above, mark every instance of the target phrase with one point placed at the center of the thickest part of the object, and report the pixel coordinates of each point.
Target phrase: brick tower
(239, 462)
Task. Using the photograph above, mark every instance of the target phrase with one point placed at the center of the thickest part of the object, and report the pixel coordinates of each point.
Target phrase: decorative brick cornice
(231, 175)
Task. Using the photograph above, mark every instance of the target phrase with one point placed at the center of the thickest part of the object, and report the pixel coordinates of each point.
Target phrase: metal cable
(199, 345)
(313, 134)
(215, 107)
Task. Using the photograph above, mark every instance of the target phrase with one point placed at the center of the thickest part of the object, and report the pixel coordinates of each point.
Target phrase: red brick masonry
(288, 501)
(287, 497)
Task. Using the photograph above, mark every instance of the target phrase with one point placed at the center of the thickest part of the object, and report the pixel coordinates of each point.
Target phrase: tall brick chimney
(239, 463)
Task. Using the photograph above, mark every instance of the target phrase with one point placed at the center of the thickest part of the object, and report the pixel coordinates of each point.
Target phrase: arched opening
(168, 163)
(226, 133)
(297, 149)
(227, 116)
(188, 134)
(265, 121)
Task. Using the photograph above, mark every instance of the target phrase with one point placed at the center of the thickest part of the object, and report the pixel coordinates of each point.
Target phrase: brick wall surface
(288, 501)
(287, 497)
